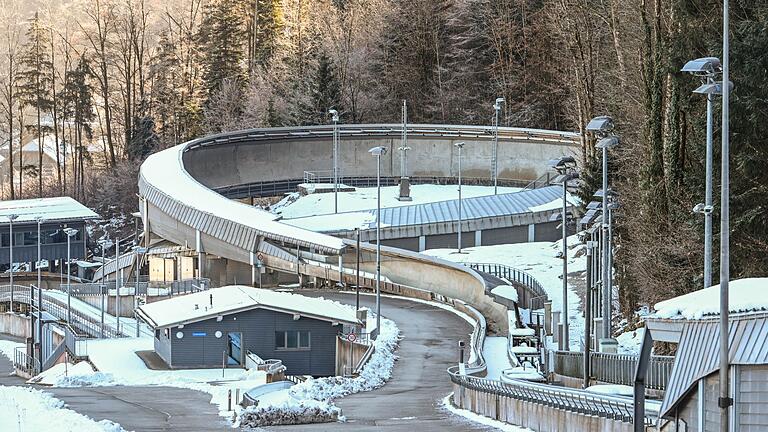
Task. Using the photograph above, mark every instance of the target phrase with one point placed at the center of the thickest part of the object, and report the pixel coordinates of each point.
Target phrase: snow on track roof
(165, 171)
(51, 209)
(235, 298)
(744, 295)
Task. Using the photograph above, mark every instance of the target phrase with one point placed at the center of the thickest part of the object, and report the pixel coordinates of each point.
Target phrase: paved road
(140, 409)
(411, 399)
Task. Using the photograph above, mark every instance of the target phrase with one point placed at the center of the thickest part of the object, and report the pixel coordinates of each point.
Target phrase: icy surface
(27, 409)
(744, 295)
(219, 301)
(611, 389)
(495, 353)
(295, 206)
(507, 291)
(540, 260)
(476, 418)
(165, 171)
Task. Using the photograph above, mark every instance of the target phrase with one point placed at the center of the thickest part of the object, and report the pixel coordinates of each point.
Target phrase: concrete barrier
(15, 325)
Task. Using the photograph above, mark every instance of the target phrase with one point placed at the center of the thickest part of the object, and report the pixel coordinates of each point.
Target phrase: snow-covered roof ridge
(51, 209)
(744, 295)
(231, 299)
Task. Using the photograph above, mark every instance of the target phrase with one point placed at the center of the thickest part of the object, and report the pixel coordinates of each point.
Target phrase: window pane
(5, 239)
(304, 339)
(279, 340)
(293, 339)
(30, 238)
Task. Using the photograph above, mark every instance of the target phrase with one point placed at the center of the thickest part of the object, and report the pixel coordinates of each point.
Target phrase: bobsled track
(182, 201)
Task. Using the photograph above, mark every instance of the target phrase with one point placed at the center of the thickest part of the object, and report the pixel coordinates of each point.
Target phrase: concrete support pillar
(199, 250)
(478, 238)
(531, 233)
(422, 243)
(253, 268)
(548, 318)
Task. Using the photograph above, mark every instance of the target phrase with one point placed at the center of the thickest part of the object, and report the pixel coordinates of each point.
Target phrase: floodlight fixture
(563, 163)
(703, 67)
(600, 125)
(460, 144)
(497, 104)
(608, 142)
(70, 231)
(713, 88)
(378, 151)
(334, 114)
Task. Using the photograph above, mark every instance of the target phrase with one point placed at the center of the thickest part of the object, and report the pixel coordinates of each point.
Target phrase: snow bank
(301, 412)
(744, 295)
(629, 342)
(7, 348)
(495, 354)
(527, 373)
(477, 418)
(507, 291)
(24, 408)
(611, 389)
(59, 373)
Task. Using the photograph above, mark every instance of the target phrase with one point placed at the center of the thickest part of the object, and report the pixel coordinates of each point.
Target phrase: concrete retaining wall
(15, 325)
(531, 415)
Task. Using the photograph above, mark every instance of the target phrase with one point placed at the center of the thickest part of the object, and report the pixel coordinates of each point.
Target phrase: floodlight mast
(378, 152)
(602, 127)
(335, 118)
(495, 161)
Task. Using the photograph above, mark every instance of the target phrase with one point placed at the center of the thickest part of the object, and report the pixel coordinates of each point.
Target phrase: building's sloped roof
(744, 295)
(50, 209)
(698, 353)
(237, 298)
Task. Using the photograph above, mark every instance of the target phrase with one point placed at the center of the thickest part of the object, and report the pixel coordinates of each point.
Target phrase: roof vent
(196, 306)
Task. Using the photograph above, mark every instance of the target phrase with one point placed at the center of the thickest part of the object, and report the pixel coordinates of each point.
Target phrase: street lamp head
(12, 217)
(335, 114)
(378, 151)
(608, 142)
(600, 125)
(563, 163)
(70, 231)
(39, 219)
(140, 249)
(704, 67)
(713, 88)
(497, 104)
(460, 144)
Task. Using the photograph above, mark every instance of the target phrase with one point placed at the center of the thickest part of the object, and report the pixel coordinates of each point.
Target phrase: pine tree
(265, 23)
(77, 96)
(220, 40)
(35, 84)
(143, 139)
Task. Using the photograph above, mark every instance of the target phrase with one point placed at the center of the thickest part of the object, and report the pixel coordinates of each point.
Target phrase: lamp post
(602, 127)
(708, 68)
(565, 167)
(69, 232)
(725, 401)
(357, 268)
(460, 146)
(139, 251)
(378, 152)
(404, 194)
(103, 245)
(495, 168)
(117, 283)
(11, 218)
(335, 118)
(39, 338)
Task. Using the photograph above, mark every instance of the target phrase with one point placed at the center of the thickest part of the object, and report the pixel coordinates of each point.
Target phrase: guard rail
(614, 368)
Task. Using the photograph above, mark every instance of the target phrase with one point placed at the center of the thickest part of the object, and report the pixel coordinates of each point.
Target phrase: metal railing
(614, 368)
(185, 286)
(75, 343)
(25, 363)
(578, 401)
(532, 296)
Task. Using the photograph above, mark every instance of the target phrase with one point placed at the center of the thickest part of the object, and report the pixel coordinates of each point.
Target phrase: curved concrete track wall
(177, 202)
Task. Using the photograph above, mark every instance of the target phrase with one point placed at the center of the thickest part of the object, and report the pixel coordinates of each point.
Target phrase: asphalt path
(412, 399)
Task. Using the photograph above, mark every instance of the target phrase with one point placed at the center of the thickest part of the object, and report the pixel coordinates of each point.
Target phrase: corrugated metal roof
(698, 353)
(126, 260)
(483, 207)
(51, 209)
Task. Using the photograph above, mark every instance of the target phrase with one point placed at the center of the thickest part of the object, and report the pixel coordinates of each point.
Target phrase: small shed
(227, 325)
(692, 322)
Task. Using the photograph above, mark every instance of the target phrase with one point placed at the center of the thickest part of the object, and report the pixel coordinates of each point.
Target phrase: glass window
(30, 238)
(5, 239)
(293, 340)
(303, 339)
(279, 340)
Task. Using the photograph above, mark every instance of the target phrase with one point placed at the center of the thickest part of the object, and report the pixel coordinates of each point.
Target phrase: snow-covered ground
(27, 409)
(295, 206)
(540, 260)
(495, 354)
(744, 295)
(7, 348)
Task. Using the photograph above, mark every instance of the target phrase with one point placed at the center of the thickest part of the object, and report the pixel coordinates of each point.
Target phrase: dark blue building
(226, 325)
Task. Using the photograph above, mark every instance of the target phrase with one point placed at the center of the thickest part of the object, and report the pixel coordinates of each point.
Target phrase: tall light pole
(602, 127)
(460, 146)
(117, 283)
(404, 194)
(70, 232)
(565, 167)
(495, 161)
(725, 401)
(708, 68)
(139, 251)
(39, 338)
(378, 152)
(335, 118)
(103, 244)
(11, 218)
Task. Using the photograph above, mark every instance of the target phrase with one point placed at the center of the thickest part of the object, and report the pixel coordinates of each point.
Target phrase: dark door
(234, 349)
